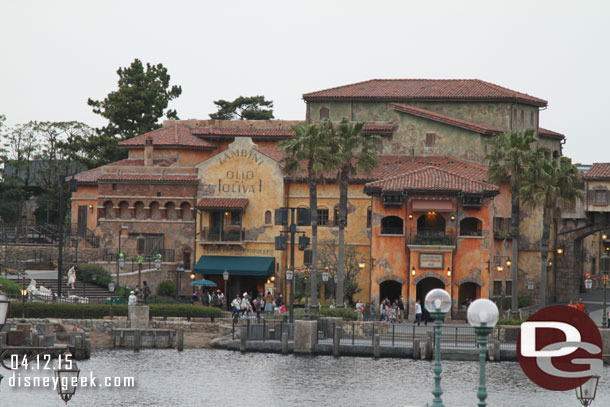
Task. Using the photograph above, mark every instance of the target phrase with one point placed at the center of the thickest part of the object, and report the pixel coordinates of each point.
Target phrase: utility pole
(60, 240)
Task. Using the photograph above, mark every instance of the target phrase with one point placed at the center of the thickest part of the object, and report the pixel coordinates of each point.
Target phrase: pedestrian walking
(145, 291)
(417, 313)
(245, 306)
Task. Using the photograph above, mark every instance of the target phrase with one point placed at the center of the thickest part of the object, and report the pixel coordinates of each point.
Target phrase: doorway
(390, 289)
(425, 286)
(467, 291)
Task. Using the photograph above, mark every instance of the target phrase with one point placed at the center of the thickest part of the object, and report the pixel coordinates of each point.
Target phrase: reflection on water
(216, 377)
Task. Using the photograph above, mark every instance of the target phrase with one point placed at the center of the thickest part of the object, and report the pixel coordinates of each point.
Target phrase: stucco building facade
(426, 217)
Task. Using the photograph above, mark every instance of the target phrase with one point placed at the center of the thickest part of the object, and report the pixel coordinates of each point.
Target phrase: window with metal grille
(324, 113)
(497, 288)
(600, 198)
(307, 257)
(322, 217)
(235, 218)
(430, 139)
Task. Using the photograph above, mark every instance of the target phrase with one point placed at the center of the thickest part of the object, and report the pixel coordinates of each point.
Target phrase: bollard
(337, 341)
(376, 346)
(243, 335)
(180, 344)
(284, 343)
(137, 340)
(416, 349)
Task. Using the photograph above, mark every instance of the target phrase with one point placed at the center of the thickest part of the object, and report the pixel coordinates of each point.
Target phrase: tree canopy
(135, 108)
(244, 108)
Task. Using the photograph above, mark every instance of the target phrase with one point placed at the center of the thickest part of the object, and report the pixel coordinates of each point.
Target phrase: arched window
(186, 212)
(555, 154)
(391, 225)
(324, 113)
(471, 227)
(170, 211)
(109, 210)
(140, 211)
(267, 217)
(124, 210)
(431, 224)
(155, 210)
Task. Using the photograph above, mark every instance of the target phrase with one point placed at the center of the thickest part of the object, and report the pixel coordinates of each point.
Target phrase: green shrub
(94, 274)
(167, 288)
(348, 314)
(10, 287)
(507, 321)
(98, 311)
(523, 302)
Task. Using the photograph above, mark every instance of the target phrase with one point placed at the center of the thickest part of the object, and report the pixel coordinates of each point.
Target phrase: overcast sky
(56, 54)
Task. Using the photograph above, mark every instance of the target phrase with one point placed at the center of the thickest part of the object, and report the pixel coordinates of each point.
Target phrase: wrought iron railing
(431, 237)
(226, 234)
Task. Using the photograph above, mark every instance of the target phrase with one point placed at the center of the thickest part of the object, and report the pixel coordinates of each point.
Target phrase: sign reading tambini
(560, 348)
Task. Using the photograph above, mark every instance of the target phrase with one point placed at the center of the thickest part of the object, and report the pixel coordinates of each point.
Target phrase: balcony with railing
(226, 235)
(431, 237)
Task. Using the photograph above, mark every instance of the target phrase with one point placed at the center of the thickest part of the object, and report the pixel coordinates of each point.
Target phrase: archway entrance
(469, 291)
(390, 289)
(425, 286)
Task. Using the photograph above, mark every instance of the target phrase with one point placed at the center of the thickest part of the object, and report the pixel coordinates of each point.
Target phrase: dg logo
(560, 348)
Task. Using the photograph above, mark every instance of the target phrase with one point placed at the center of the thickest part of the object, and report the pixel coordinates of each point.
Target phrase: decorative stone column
(138, 316)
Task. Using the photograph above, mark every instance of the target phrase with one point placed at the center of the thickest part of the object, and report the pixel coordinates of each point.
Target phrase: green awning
(244, 266)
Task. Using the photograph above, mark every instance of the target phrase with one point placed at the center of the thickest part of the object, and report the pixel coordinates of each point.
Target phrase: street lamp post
(585, 393)
(289, 277)
(179, 270)
(4, 304)
(225, 277)
(605, 273)
(67, 380)
(24, 292)
(120, 257)
(438, 301)
(530, 288)
(483, 316)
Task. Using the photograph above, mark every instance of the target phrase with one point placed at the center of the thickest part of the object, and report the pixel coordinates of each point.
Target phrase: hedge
(10, 287)
(94, 274)
(98, 311)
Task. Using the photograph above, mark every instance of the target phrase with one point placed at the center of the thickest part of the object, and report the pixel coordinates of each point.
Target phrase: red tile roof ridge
(443, 118)
(550, 132)
(371, 89)
(433, 167)
(275, 155)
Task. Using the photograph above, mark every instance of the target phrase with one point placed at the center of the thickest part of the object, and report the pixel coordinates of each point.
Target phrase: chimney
(148, 152)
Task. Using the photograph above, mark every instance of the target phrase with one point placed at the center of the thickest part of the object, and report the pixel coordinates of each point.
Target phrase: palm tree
(548, 182)
(354, 152)
(310, 147)
(509, 158)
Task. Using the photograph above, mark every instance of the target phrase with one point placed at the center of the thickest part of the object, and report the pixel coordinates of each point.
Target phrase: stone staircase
(93, 292)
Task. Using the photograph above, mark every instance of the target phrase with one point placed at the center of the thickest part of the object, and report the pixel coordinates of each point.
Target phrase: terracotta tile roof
(378, 128)
(550, 134)
(424, 90)
(276, 155)
(150, 178)
(254, 132)
(175, 136)
(600, 171)
(91, 176)
(88, 177)
(450, 120)
(431, 178)
(222, 203)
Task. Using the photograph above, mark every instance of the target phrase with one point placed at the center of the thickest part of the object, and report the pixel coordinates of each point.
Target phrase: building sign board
(431, 260)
